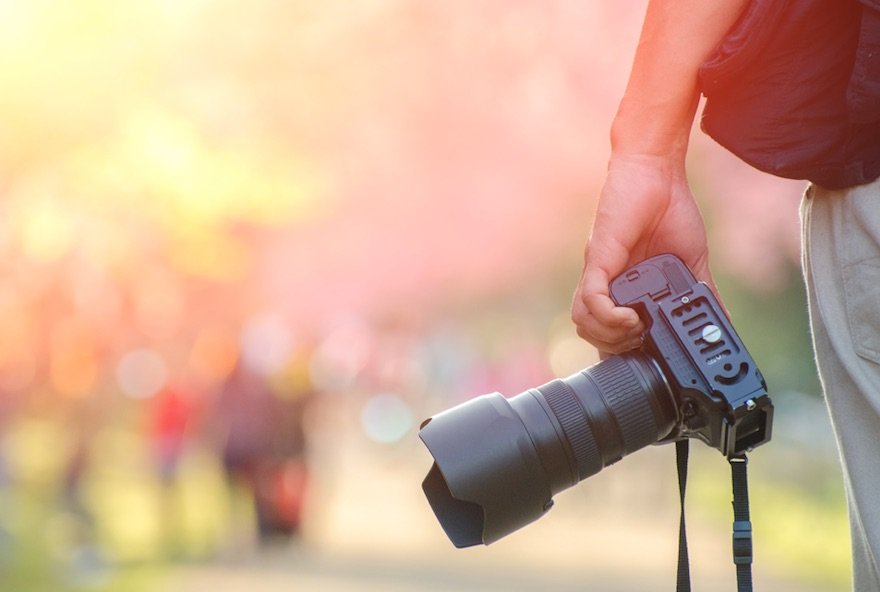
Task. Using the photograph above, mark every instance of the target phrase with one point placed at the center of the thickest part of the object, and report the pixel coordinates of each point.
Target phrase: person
(242, 419)
(793, 89)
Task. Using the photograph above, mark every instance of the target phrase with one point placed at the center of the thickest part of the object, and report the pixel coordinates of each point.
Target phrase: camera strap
(683, 575)
(742, 526)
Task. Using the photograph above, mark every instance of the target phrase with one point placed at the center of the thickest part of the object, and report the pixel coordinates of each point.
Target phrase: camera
(499, 461)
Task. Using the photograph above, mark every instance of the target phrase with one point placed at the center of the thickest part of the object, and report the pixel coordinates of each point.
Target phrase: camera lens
(498, 462)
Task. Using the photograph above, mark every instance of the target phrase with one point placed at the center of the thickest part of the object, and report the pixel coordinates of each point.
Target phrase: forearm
(646, 207)
(657, 110)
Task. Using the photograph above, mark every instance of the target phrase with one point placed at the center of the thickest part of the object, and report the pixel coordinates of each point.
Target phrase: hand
(645, 208)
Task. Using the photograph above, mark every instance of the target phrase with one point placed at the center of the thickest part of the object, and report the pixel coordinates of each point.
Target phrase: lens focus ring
(564, 404)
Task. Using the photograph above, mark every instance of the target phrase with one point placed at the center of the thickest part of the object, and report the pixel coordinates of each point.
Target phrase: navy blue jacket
(794, 90)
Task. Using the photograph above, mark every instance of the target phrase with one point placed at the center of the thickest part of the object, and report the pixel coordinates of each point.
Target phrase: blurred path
(374, 532)
(309, 571)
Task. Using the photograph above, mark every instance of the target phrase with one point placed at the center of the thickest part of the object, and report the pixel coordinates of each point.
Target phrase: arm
(645, 207)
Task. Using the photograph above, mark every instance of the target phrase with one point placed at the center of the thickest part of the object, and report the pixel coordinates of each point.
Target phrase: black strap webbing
(742, 526)
(683, 575)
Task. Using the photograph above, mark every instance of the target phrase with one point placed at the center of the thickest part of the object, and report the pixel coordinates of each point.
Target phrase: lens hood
(487, 479)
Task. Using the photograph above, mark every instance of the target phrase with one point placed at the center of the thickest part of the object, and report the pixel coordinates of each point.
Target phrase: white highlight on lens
(386, 418)
(141, 373)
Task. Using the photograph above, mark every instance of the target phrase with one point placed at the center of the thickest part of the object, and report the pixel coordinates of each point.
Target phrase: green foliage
(801, 531)
(118, 529)
(775, 328)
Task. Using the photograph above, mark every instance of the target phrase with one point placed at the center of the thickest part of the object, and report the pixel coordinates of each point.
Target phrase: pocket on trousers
(861, 284)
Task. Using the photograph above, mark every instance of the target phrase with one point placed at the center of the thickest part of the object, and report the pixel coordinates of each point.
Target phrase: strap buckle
(742, 542)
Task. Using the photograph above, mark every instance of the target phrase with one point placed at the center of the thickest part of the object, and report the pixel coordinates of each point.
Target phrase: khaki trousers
(841, 260)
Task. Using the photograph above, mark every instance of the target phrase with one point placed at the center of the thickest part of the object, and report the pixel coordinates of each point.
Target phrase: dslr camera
(499, 461)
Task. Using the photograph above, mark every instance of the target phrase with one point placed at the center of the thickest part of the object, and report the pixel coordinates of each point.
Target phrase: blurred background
(246, 247)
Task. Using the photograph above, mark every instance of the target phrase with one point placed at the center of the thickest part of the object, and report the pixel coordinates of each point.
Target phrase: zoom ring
(630, 406)
(565, 406)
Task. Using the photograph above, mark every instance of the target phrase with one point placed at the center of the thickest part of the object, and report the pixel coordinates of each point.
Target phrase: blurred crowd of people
(238, 404)
(226, 424)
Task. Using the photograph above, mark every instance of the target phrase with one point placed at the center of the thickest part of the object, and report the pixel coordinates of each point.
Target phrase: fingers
(610, 328)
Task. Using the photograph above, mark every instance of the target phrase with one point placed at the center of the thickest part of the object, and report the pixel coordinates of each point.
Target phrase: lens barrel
(498, 462)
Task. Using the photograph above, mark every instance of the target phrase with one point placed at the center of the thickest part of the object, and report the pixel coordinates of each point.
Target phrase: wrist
(665, 165)
(652, 130)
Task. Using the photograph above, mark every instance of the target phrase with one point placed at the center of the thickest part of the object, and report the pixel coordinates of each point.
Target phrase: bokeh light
(386, 418)
(245, 248)
(266, 343)
(141, 373)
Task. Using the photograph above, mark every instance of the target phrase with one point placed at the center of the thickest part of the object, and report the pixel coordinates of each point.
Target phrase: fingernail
(634, 344)
(634, 332)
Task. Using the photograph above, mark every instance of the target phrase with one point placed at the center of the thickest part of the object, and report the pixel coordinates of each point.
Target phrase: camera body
(499, 461)
(721, 395)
